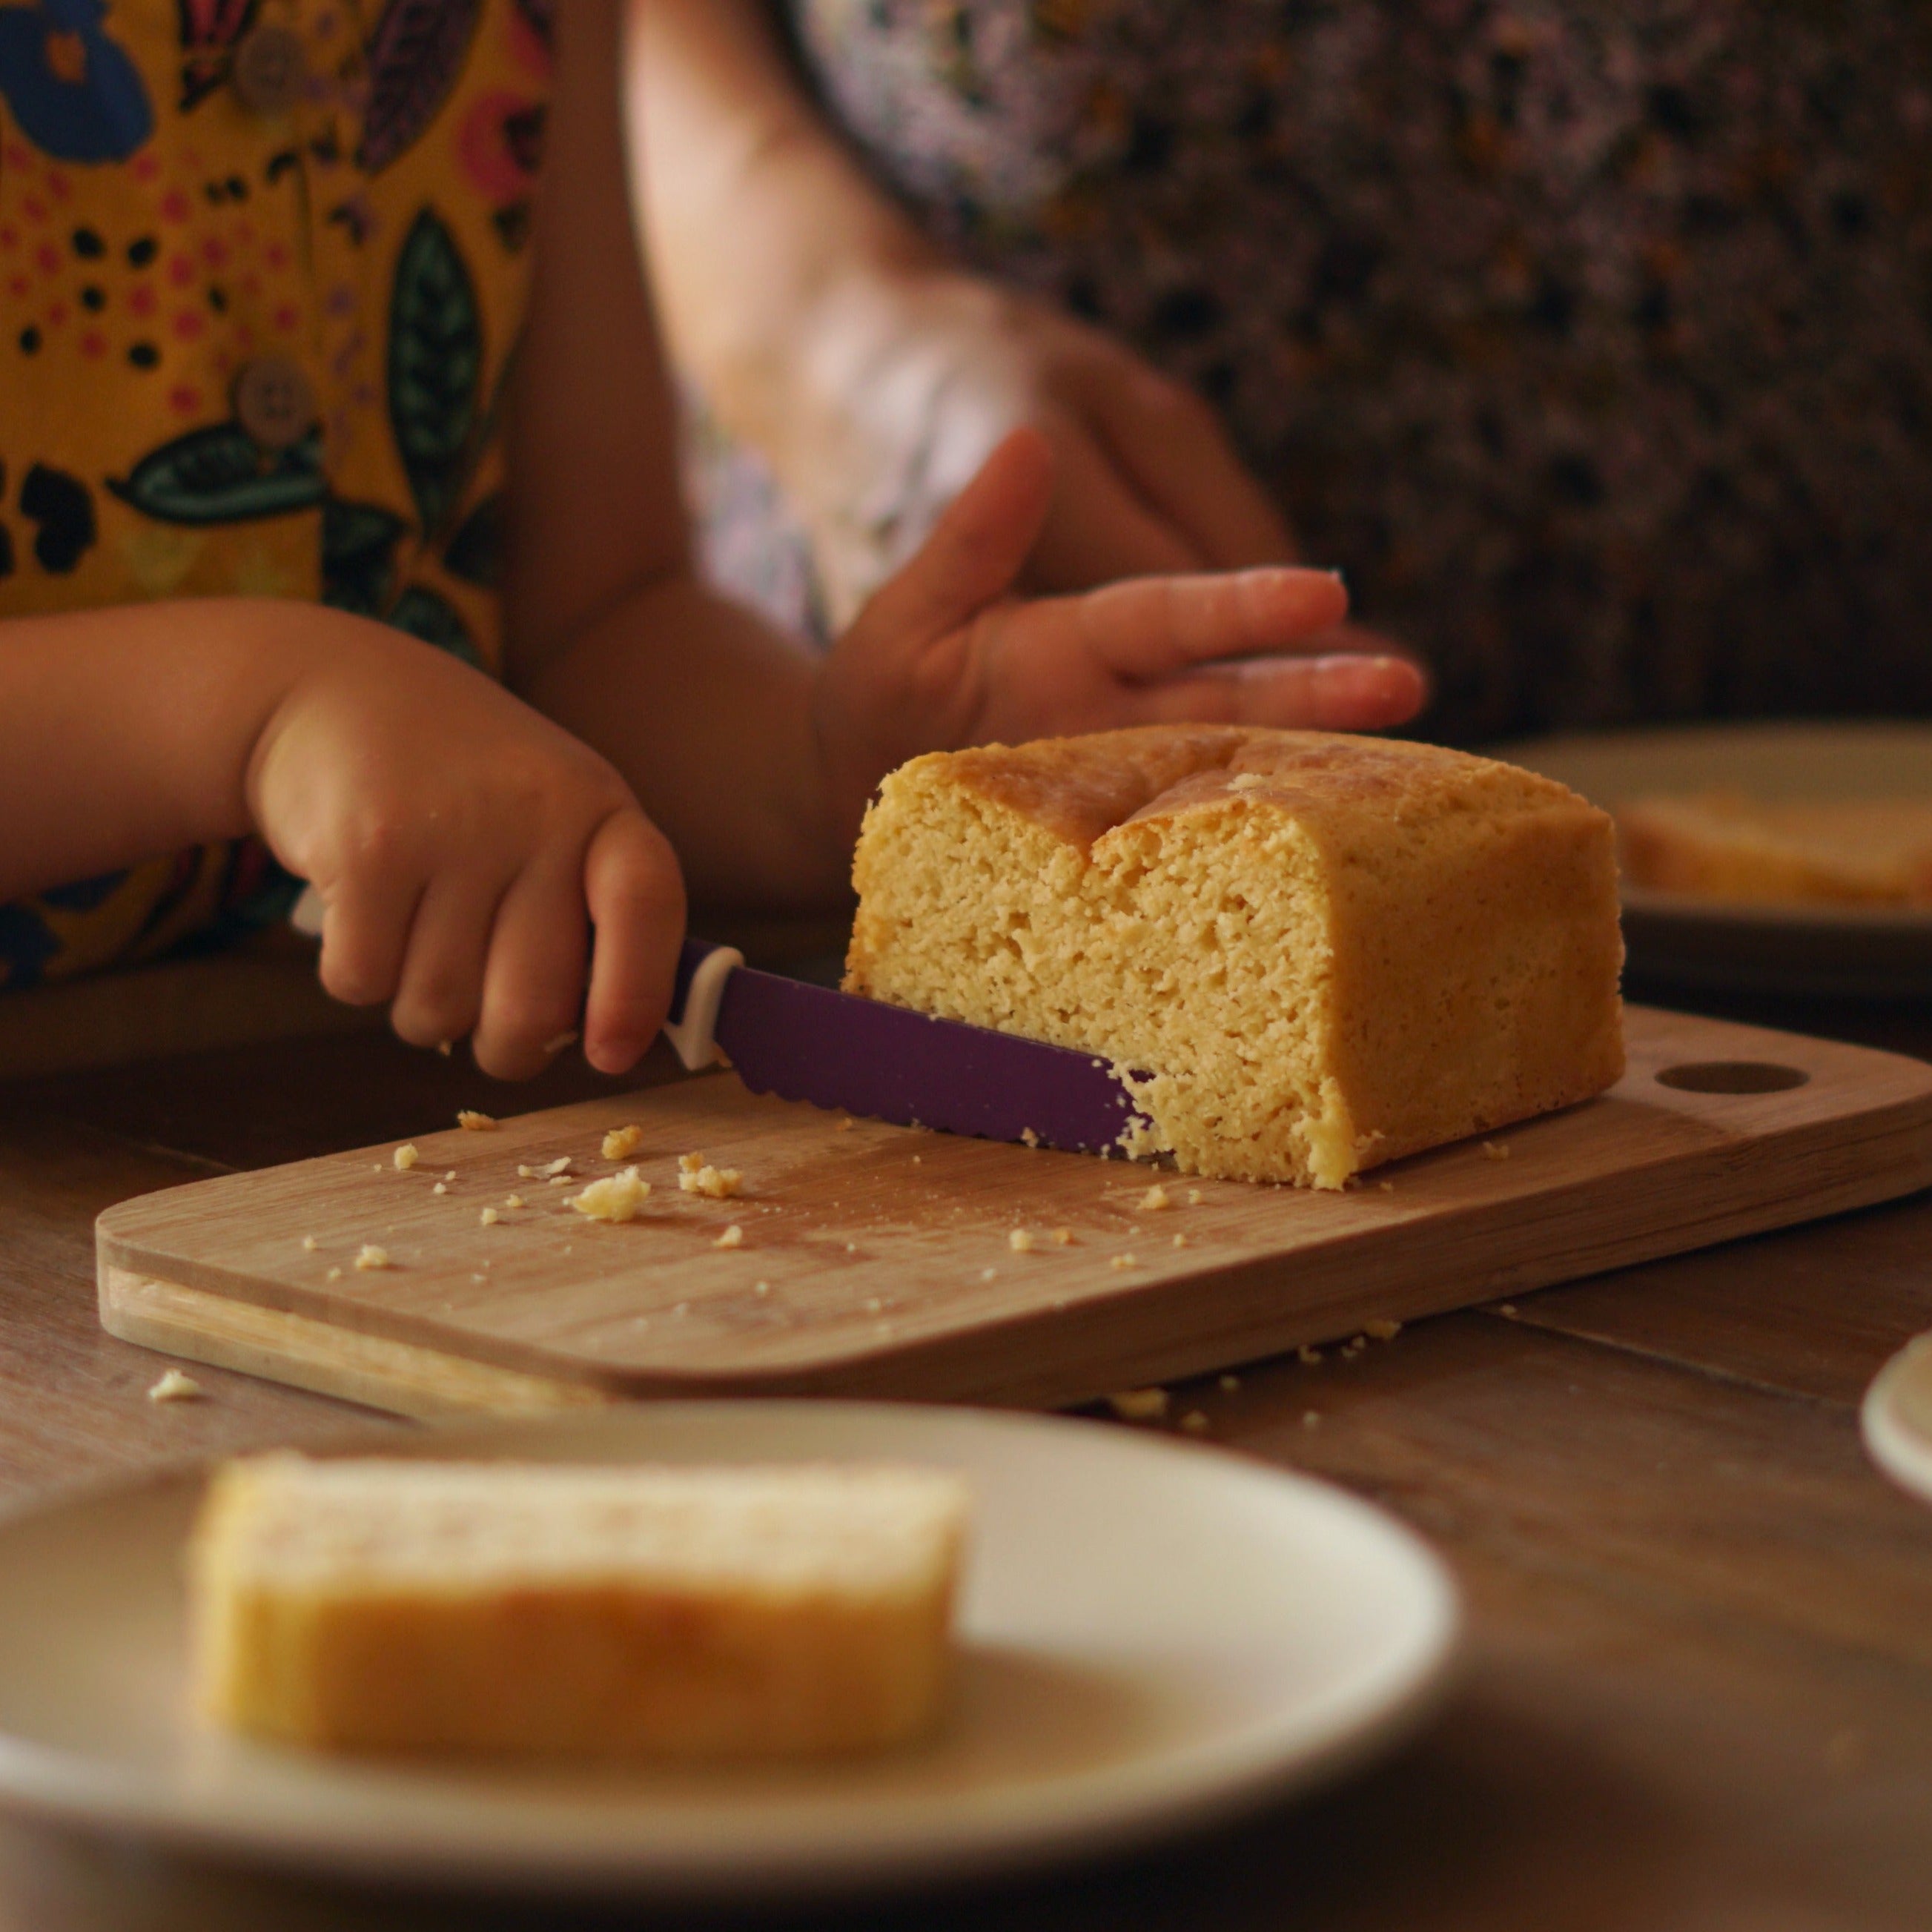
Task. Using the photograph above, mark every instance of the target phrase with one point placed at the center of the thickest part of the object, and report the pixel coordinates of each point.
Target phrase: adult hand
(910, 380)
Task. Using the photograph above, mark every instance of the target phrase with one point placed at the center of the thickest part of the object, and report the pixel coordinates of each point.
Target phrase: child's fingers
(365, 929)
(533, 984)
(439, 996)
(976, 549)
(1324, 694)
(1155, 626)
(636, 897)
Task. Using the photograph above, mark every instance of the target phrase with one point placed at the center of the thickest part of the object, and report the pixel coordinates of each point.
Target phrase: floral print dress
(1593, 338)
(261, 265)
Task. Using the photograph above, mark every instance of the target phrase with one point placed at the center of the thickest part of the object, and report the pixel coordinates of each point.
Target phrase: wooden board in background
(884, 1252)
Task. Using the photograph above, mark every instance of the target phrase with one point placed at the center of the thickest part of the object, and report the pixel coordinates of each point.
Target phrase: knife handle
(702, 970)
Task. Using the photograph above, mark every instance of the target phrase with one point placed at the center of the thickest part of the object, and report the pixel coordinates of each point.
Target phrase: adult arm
(875, 375)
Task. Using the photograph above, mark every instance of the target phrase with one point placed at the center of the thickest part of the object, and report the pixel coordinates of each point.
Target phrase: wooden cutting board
(877, 1261)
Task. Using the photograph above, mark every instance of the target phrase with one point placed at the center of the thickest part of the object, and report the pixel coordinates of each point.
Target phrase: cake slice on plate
(1727, 845)
(585, 1610)
(1308, 953)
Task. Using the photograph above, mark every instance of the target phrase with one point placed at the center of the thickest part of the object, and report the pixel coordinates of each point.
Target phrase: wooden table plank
(1815, 1311)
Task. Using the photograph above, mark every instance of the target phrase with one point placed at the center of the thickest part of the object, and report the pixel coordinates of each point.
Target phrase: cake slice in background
(776, 1610)
(1728, 845)
(1320, 951)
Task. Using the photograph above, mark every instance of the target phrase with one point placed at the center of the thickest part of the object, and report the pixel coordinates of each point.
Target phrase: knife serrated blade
(840, 1050)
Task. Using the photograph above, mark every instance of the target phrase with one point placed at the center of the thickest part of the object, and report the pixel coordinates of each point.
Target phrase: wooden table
(1698, 1693)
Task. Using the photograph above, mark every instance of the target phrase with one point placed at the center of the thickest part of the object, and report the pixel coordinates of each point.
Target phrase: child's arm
(457, 838)
(755, 758)
(868, 368)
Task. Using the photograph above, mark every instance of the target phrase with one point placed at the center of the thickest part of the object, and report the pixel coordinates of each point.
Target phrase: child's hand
(463, 847)
(942, 656)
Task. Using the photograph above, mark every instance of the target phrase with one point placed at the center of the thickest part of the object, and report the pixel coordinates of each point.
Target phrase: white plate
(1155, 1635)
(1882, 951)
(1896, 1418)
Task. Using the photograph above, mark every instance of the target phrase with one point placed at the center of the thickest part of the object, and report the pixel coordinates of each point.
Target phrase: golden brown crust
(1079, 789)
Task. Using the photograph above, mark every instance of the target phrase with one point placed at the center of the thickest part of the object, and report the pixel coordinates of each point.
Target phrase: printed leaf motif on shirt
(435, 367)
(416, 57)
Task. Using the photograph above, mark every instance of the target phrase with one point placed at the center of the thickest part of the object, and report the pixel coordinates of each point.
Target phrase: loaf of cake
(553, 1608)
(1305, 953)
(1727, 845)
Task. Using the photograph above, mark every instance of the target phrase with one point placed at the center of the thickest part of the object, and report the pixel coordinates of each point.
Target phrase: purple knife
(807, 1042)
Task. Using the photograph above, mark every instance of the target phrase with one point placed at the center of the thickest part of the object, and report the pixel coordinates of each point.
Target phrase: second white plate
(1155, 1635)
(1896, 1417)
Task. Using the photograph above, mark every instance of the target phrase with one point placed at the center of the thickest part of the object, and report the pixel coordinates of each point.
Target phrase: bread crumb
(1307, 1355)
(333, 1274)
(873, 1305)
(988, 1273)
(407, 1156)
(1123, 1261)
(734, 1237)
(441, 1187)
(617, 1197)
(1247, 782)
(1028, 1138)
(1153, 1200)
(1180, 1240)
(1496, 1149)
(446, 1047)
(1230, 1383)
(560, 1180)
(845, 1125)
(372, 1256)
(309, 1244)
(1194, 1423)
(1311, 1419)
(479, 1277)
(1507, 1310)
(682, 1308)
(375, 1167)
(919, 1160)
(1194, 1197)
(761, 1287)
(471, 1121)
(1141, 1405)
(1382, 1328)
(562, 1040)
(450, 1175)
(176, 1386)
(546, 1170)
(1062, 1237)
(717, 1184)
(620, 1143)
(689, 1163)
(490, 1217)
(1387, 1186)
(513, 1201)
(1020, 1241)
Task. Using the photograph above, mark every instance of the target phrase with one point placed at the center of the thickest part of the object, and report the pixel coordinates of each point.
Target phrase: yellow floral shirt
(263, 265)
